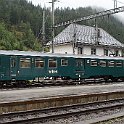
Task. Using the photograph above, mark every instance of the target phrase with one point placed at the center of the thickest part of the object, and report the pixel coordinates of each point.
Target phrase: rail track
(45, 115)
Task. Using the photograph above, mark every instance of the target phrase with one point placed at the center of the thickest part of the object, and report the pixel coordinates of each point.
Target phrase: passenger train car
(25, 65)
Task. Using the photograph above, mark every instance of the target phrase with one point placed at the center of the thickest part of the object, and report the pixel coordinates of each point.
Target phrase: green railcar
(25, 65)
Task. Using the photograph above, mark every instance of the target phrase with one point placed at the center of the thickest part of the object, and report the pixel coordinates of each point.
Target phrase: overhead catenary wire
(96, 15)
(119, 1)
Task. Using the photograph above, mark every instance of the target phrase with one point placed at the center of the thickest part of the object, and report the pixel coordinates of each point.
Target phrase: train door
(79, 68)
(13, 67)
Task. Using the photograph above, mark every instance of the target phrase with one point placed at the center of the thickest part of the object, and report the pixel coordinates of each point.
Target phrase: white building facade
(86, 40)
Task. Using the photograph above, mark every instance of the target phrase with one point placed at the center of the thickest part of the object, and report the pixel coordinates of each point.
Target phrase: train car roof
(40, 54)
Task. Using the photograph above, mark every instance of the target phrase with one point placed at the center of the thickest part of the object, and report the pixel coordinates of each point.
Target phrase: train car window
(93, 63)
(64, 62)
(111, 64)
(52, 63)
(25, 62)
(119, 64)
(102, 63)
(39, 63)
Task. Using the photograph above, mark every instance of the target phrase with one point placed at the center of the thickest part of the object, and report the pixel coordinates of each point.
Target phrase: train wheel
(106, 79)
(114, 79)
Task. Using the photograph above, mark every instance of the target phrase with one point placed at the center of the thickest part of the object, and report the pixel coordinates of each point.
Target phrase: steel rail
(87, 108)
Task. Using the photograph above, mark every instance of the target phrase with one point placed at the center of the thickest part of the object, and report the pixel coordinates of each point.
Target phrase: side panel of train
(12, 67)
(104, 68)
(31, 67)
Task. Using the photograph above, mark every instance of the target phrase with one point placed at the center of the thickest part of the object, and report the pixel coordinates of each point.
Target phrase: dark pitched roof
(85, 35)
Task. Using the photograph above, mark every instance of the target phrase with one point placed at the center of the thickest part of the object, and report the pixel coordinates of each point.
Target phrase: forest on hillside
(21, 24)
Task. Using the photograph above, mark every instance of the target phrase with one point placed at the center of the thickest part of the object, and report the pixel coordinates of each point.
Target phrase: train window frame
(54, 61)
(28, 62)
(111, 63)
(102, 63)
(93, 65)
(41, 62)
(64, 63)
(120, 64)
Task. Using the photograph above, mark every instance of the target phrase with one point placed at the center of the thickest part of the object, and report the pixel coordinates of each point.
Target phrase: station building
(86, 40)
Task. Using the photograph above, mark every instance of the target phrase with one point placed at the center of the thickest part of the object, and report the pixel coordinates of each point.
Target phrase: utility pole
(43, 30)
(53, 24)
(96, 32)
(74, 38)
(53, 21)
(115, 4)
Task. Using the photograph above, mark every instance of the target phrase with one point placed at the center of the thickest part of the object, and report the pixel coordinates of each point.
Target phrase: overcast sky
(107, 4)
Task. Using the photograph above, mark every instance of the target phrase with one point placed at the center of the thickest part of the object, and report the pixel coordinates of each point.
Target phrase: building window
(122, 53)
(116, 52)
(52, 63)
(39, 62)
(64, 62)
(25, 62)
(80, 50)
(105, 52)
(93, 51)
